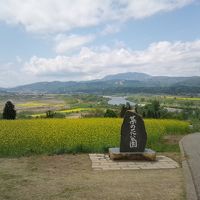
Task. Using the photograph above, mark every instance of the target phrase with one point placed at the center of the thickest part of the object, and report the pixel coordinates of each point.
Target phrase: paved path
(103, 162)
(190, 147)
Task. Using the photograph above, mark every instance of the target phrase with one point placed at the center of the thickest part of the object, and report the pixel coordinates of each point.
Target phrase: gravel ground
(71, 177)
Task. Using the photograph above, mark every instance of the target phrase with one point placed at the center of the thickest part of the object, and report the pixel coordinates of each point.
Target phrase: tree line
(150, 110)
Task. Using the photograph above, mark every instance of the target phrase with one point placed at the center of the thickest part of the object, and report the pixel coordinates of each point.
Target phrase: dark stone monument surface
(133, 133)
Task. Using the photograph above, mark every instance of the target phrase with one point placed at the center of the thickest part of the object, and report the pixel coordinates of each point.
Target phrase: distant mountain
(152, 80)
(128, 76)
(45, 87)
(118, 83)
(2, 90)
(189, 81)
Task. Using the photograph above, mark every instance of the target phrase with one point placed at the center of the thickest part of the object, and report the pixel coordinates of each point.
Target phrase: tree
(152, 110)
(9, 111)
(110, 113)
(50, 114)
(157, 108)
(136, 108)
(124, 109)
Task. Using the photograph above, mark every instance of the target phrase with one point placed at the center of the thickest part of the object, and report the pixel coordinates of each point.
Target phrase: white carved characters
(133, 141)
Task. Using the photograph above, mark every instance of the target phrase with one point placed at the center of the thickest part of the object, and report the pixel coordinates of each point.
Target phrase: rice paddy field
(57, 136)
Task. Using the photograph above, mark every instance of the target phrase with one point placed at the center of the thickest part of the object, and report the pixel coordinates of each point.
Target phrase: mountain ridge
(127, 82)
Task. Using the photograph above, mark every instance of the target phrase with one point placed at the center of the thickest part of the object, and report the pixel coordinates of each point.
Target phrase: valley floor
(71, 177)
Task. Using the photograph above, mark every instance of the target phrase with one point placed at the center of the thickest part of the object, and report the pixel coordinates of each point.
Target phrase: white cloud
(67, 43)
(46, 16)
(10, 75)
(162, 58)
(144, 8)
(53, 16)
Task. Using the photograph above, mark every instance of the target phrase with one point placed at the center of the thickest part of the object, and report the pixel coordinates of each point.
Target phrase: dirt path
(71, 177)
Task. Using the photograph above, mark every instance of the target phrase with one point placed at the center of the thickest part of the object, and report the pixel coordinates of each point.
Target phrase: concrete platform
(103, 162)
(148, 154)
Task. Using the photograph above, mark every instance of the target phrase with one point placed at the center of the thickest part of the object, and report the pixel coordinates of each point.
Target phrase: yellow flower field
(50, 136)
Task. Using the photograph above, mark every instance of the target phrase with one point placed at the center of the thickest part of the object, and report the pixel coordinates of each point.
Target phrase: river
(118, 100)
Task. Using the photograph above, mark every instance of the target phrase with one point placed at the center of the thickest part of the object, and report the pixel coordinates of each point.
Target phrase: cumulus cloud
(162, 58)
(67, 43)
(53, 16)
(46, 16)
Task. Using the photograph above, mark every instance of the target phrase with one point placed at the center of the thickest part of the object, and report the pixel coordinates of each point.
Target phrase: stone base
(148, 154)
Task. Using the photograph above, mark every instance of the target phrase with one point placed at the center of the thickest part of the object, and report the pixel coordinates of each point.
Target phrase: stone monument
(133, 140)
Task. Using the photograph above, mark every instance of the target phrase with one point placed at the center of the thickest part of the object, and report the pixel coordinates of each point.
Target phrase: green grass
(157, 129)
(57, 136)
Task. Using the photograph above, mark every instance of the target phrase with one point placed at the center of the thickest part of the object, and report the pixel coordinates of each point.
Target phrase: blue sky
(66, 40)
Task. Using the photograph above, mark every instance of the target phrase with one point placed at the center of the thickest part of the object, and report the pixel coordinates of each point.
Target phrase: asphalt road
(190, 147)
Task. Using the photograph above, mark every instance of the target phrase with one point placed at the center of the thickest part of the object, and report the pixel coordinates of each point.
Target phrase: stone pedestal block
(148, 154)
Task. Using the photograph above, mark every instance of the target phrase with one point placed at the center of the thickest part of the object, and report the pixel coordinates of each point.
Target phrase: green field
(74, 110)
(56, 136)
(183, 98)
(32, 104)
